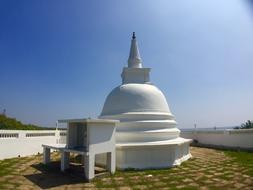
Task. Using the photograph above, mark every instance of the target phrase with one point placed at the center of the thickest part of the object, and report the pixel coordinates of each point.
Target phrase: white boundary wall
(14, 143)
(237, 138)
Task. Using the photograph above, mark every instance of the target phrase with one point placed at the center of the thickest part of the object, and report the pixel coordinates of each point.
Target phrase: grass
(222, 173)
(245, 159)
(213, 169)
(6, 166)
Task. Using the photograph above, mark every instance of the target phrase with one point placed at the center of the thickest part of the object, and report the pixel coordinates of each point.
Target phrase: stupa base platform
(150, 155)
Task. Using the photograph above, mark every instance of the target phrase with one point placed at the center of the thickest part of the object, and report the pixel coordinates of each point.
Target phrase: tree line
(7, 123)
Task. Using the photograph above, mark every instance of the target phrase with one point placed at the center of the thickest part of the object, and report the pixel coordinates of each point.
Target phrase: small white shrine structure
(86, 137)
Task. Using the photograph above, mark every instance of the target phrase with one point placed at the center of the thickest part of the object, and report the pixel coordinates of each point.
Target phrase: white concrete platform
(89, 159)
(86, 137)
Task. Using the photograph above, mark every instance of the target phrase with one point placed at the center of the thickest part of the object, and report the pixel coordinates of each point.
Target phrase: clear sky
(59, 59)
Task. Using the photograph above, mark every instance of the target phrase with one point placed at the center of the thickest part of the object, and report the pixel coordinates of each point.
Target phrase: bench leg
(89, 166)
(46, 155)
(64, 160)
(111, 162)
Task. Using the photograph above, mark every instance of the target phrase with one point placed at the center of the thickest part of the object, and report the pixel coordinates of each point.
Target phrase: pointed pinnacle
(133, 35)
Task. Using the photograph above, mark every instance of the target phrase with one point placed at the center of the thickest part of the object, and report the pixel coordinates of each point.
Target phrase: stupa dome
(135, 97)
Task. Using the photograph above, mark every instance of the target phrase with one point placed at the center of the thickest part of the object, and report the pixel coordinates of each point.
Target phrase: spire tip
(133, 35)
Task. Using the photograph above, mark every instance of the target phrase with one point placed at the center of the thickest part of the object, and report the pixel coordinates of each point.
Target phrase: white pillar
(111, 161)
(89, 166)
(46, 155)
(64, 160)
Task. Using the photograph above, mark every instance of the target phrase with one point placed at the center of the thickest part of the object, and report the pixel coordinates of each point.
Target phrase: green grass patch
(244, 159)
(7, 166)
(151, 179)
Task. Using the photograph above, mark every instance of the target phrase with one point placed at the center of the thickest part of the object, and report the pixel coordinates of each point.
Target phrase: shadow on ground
(49, 176)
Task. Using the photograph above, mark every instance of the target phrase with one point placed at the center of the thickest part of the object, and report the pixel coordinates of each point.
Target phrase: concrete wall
(239, 138)
(14, 143)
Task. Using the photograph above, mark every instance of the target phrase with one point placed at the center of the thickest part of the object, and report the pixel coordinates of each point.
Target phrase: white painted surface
(14, 143)
(152, 156)
(95, 135)
(148, 156)
(134, 60)
(147, 136)
(46, 155)
(64, 160)
(134, 97)
(230, 138)
(87, 137)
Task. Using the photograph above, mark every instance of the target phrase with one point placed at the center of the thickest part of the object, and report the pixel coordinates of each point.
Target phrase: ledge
(177, 141)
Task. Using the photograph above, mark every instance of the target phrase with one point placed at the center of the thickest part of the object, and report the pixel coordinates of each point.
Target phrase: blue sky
(59, 59)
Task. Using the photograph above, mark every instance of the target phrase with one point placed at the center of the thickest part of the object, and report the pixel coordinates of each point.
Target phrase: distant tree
(247, 125)
(7, 123)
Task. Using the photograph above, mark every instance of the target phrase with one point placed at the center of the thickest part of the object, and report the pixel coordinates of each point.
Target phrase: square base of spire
(135, 75)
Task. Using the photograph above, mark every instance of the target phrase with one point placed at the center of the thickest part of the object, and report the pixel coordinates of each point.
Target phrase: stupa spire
(134, 60)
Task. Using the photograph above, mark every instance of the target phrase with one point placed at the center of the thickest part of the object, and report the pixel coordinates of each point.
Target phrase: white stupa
(146, 136)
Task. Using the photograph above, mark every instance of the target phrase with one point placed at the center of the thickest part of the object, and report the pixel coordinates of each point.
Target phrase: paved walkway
(209, 169)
